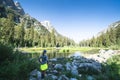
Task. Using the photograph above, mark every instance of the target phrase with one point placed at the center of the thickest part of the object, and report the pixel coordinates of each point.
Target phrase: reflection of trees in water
(50, 54)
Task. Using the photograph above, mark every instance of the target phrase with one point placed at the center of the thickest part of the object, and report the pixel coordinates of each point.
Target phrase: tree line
(20, 36)
(106, 39)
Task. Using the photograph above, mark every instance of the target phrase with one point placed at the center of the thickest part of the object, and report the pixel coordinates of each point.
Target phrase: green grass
(61, 50)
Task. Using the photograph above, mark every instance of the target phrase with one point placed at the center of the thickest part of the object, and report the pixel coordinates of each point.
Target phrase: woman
(43, 59)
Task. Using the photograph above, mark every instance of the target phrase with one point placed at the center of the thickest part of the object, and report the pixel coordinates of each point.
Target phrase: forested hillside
(22, 30)
(107, 38)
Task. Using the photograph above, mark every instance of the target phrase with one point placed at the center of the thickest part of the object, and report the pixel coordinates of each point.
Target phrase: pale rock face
(19, 8)
(48, 25)
(113, 25)
(13, 5)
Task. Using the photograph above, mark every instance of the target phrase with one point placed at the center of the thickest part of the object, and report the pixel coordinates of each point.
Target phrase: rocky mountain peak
(19, 8)
(48, 25)
(13, 5)
(8, 3)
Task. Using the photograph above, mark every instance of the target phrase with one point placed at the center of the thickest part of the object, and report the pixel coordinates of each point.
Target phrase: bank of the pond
(61, 49)
(78, 67)
(54, 52)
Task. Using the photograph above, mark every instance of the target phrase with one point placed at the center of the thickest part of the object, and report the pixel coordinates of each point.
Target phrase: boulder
(52, 77)
(32, 78)
(55, 72)
(68, 66)
(90, 66)
(33, 73)
(38, 75)
(73, 79)
(90, 78)
(58, 66)
(74, 72)
(53, 60)
(63, 77)
(102, 51)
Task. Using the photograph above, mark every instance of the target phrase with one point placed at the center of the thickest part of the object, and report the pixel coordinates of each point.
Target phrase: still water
(55, 54)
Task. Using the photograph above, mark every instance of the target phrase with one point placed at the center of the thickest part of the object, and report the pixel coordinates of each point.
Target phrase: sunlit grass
(62, 50)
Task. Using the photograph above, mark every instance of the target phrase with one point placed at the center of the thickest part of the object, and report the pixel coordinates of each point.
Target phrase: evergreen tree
(118, 34)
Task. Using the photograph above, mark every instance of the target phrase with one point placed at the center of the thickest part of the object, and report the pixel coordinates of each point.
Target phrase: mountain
(32, 22)
(109, 37)
(10, 4)
(50, 28)
(48, 25)
(113, 25)
(20, 29)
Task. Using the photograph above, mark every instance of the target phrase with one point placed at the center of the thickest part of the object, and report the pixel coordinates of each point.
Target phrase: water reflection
(56, 54)
(77, 53)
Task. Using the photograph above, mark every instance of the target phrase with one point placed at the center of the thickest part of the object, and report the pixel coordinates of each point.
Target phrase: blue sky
(77, 19)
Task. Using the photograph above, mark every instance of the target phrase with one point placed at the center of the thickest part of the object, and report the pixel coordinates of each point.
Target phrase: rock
(58, 66)
(102, 51)
(74, 70)
(33, 73)
(51, 76)
(90, 66)
(38, 75)
(73, 79)
(63, 77)
(55, 72)
(19, 8)
(80, 75)
(110, 52)
(68, 66)
(32, 78)
(90, 78)
(53, 60)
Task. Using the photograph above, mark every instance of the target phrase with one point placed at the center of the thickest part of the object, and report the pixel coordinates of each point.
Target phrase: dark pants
(43, 74)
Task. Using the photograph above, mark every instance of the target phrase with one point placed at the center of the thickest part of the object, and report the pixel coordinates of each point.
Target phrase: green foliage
(5, 53)
(111, 70)
(107, 39)
(25, 31)
(6, 30)
(15, 65)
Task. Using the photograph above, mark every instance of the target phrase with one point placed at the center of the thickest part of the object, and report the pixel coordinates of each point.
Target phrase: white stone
(68, 66)
(73, 79)
(38, 75)
(58, 66)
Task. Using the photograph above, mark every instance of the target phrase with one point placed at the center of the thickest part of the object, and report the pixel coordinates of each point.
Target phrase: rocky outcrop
(50, 28)
(19, 8)
(103, 55)
(32, 22)
(10, 4)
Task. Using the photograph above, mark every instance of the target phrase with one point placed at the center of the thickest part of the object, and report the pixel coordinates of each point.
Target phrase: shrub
(5, 53)
(15, 65)
(68, 50)
(64, 51)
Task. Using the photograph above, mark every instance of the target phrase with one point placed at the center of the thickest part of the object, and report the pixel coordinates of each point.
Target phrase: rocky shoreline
(75, 67)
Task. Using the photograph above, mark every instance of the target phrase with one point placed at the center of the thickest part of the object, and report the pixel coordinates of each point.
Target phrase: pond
(56, 54)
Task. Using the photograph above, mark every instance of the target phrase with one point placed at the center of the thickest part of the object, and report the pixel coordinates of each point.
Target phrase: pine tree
(118, 34)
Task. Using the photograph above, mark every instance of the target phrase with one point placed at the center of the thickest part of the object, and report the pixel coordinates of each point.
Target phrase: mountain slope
(109, 37)
(10, 4)
(21, 29)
